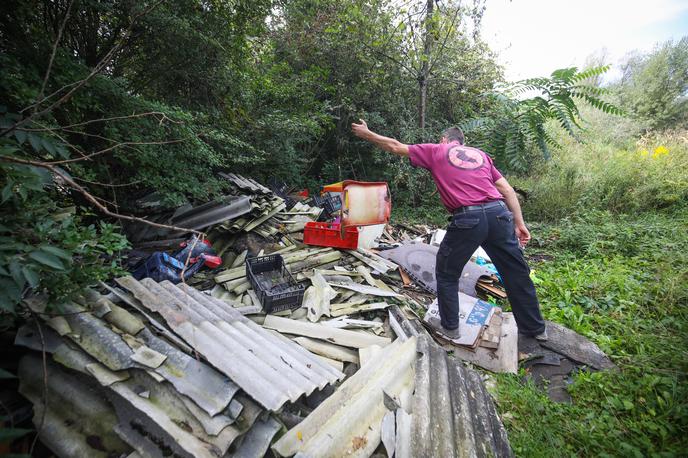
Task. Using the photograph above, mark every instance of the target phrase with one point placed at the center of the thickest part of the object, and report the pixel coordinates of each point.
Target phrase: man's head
(453, 134)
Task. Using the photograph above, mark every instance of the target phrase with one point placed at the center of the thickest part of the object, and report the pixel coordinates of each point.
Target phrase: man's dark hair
(454, 134)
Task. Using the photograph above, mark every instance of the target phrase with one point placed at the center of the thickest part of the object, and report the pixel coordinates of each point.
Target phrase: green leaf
(20, 135)
(6, 375)
(9, 434)
(6, 192)
(47, 259)
(31, 276)
(36, 142)
(62, 151)
(17, 274)
(48, 145)
(628, 405)
(59, 252)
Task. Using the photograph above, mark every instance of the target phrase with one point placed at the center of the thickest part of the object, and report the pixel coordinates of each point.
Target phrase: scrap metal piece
(453, 414)
(271, 370)
(348, 423)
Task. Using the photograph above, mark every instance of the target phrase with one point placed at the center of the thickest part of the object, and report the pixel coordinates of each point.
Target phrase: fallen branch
(92, 199)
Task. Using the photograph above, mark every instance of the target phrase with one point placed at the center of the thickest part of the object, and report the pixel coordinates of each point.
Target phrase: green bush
(650, 175)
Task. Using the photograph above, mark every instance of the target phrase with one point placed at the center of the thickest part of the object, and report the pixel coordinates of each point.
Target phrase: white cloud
(534, 37)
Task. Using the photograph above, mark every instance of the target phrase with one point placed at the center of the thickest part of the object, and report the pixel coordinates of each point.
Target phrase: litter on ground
(295, 326)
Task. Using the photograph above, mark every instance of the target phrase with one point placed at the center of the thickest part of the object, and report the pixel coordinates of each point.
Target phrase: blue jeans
(493, 229)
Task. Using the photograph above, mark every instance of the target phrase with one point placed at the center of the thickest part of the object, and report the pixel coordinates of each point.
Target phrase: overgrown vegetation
(611, 220)
(158, 96)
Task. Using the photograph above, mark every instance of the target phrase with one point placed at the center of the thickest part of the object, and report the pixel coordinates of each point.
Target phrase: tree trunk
(425, 66)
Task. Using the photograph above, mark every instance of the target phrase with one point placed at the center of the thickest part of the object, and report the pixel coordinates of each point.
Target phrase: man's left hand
(522, 234)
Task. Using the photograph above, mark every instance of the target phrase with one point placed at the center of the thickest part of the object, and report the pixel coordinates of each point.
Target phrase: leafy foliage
(616, 280)
(614, 271)
(654, 86)
(518, 122)
(44, 245)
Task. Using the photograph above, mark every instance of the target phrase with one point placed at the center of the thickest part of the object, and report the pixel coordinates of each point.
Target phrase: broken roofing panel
(213, 212)
(453, 414)
(246, 184)
(86, 428)
(151, 416)
(112, 347)
(348, 423)
(271, 370)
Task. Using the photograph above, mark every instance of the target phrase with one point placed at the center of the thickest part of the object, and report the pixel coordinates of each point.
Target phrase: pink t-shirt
(463, 175)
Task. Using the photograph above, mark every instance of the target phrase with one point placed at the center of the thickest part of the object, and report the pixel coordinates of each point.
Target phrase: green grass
(614, 225)
(620, 281)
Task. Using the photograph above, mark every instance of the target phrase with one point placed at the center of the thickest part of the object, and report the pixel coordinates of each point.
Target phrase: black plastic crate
(274, 285)
(331, 203)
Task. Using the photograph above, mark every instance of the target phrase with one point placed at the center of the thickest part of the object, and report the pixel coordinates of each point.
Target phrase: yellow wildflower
(644, 153)
(660, 151)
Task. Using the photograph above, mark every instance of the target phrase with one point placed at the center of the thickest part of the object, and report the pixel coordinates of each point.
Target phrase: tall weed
(648, 175)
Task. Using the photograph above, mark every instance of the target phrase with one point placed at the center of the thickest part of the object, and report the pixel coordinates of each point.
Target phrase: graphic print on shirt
(465, 158)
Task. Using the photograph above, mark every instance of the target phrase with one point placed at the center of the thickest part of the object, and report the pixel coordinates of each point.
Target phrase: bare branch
(97, 183)
(77, 85)
(163, 117)
(446, 37)
(112, 147)
(52, 55)
(92, 199)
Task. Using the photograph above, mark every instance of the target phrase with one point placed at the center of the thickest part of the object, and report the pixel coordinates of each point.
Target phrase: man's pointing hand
(361, 129)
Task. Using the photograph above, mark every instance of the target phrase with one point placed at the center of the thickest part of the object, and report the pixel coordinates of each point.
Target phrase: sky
(535, 37)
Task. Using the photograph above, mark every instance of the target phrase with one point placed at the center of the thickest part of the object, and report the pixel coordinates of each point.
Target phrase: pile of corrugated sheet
(198, 368)
(119, 381)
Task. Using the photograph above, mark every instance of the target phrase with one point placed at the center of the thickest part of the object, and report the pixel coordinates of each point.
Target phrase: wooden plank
(504, 359)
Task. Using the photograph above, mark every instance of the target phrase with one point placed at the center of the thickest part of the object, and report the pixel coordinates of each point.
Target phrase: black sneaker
(436, 324)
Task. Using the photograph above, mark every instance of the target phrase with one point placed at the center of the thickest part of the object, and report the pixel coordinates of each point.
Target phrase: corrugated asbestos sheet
(269, 368)
(453, 414)
(349, 422)
(213, 212)
(117, 394)
(113, 341)
(86, 428)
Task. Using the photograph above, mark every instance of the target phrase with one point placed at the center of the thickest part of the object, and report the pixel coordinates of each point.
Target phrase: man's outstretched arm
(388, 144)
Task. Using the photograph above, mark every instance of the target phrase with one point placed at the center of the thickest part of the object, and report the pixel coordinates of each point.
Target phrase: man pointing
(485, 212)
